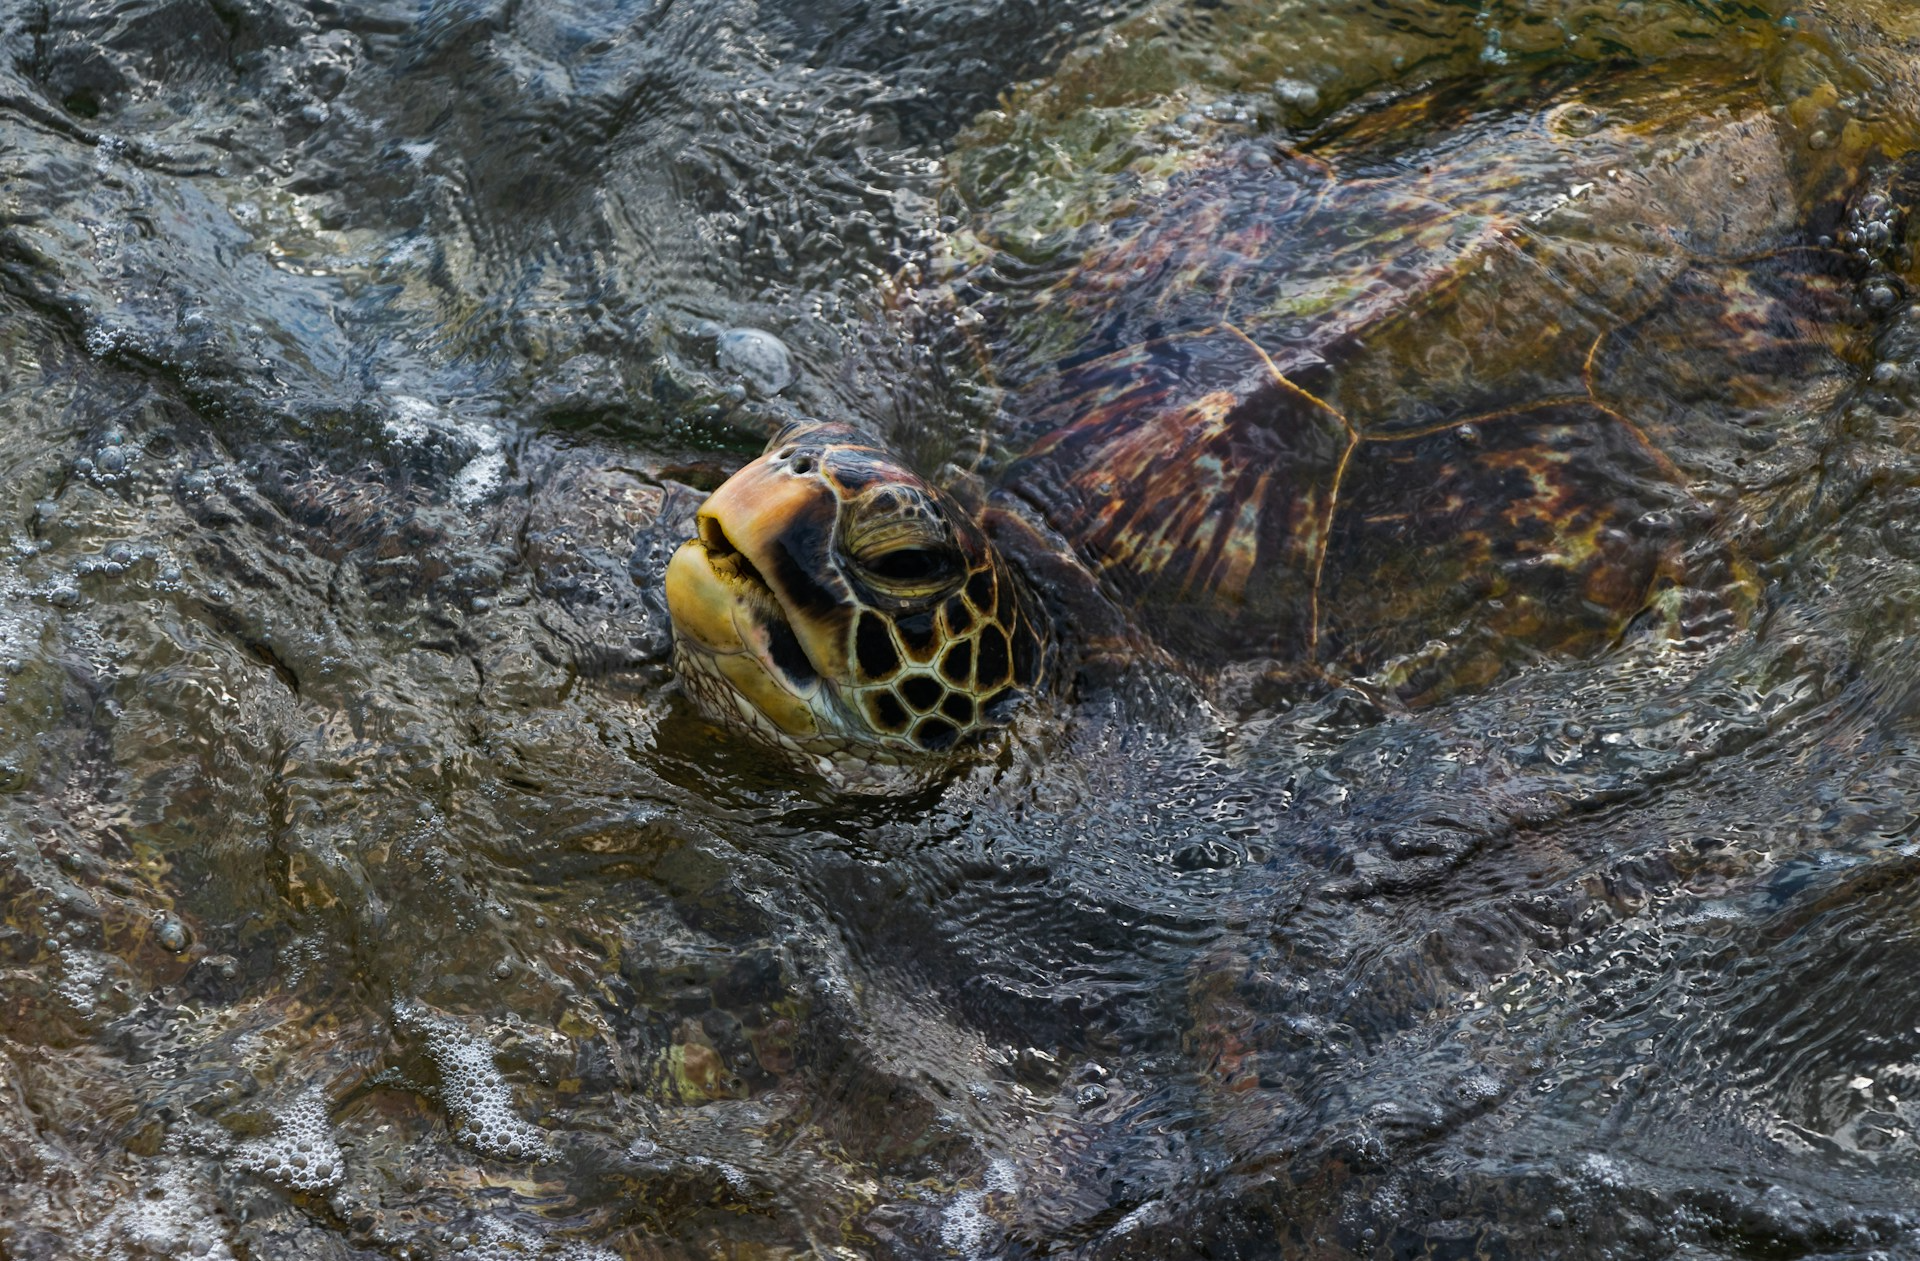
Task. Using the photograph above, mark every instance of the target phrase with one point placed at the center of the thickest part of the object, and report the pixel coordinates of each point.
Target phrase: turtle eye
(911, 569)
(900, 543)
(911, 565)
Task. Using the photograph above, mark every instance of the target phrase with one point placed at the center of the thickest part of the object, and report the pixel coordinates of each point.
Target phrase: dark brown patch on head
(873, 648)
(784, 647)
(888, 713)
(934, 733)
(957, 665)
(980, 590)
(922, 692)
(1003, 604)
(917, 632)
(959, 616)
(802, 551)
(958, 708)
(993, 665)
(854, 469)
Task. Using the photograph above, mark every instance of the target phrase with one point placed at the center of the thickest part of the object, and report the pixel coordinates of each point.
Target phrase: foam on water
(481, 476)
(965, 1227)
(490, 1239)
(412, 420)
(172, 1217)
(81, 976)
(301, 1154)
(478, 1100)
(736, 1177)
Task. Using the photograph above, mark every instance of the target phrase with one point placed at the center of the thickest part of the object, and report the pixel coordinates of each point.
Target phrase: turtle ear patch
(917, 633)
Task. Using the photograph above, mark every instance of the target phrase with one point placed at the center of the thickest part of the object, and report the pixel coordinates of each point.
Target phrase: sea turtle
(1468, 377)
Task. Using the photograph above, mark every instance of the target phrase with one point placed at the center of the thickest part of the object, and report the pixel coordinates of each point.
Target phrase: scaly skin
(838, 606)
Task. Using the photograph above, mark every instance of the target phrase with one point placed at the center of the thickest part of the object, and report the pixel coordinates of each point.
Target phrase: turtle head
(837, 604)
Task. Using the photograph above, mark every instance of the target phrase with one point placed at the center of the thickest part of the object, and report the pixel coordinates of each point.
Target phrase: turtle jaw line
(738, 650)
(727, 560)
(747, 584)
(786, 657)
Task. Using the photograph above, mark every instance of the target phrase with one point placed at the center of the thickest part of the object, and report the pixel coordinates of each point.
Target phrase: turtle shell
(1472, 376)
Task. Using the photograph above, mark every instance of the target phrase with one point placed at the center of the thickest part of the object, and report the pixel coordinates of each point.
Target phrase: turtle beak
(724, 608)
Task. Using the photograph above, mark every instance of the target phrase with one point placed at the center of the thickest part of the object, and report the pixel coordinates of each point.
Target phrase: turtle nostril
(715, 537)
(803, 465)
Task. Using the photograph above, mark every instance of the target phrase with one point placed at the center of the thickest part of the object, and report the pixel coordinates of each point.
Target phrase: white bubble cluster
(415, 421)
(171, 1217)
(965, 1227)
(477, 1098)
(411, 420)
(736, 1177)
(301, 1154)
(81, 978)
(482, 475)
(490, 1240)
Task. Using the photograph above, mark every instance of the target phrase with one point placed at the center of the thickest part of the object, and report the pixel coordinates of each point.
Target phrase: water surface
(370, 892)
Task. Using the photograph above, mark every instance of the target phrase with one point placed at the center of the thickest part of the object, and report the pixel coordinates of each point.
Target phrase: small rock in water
(1300, 95)
(758, 356)
(172, 935)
